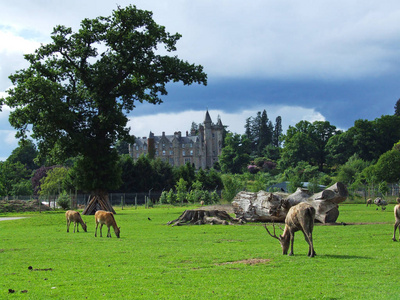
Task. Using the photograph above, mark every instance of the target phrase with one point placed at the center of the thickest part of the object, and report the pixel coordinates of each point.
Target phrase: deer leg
(74, 226)
(394, 232)
(95, 233)
(101, 230)
(291, 244)
(67, 225)
(77, 227)
(109, 232)
(311, 252)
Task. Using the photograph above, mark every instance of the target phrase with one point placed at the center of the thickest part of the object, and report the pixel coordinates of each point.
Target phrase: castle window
(187, 160)
(156, 152)
(163, 152)
(191, 145)
(137, 147)
(183, 152)
(171, 152)
(191, 152)
(183, 145)
(144, 147)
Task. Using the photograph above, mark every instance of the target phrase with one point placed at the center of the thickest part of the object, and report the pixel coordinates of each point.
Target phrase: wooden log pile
(96, 203)
(273, 207)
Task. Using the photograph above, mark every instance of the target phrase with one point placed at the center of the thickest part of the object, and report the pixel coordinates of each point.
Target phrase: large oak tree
(78, 89)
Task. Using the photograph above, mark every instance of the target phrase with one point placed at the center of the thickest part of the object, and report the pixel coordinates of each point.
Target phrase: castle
(201, 149)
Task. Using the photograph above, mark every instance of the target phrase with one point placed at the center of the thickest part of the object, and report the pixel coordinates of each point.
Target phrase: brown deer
(105, 217)
(299, 217)
(369, 202)
(397, 219)
(74, 216)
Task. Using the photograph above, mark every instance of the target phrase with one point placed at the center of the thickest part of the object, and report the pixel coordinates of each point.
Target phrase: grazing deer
(380, 202)
(299, 217)
(105, 217)
(397, 220)
(74, 216)
(369, 202)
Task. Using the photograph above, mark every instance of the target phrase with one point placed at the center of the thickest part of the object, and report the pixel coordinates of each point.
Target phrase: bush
(64, 201)
(163, 197)
(171, 197)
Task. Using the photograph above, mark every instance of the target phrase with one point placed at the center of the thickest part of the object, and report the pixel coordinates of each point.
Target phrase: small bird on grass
(149, 219)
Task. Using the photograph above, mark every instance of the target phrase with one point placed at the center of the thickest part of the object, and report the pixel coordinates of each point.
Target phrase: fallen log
(273, 207)
(200, 217)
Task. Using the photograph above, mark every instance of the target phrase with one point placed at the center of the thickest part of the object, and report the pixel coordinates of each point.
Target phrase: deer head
(117, 231)
(284, 240)
(84, 226)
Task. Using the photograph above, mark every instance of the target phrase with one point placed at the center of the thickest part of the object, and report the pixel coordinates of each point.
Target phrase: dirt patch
(251, 261)
(21, 206)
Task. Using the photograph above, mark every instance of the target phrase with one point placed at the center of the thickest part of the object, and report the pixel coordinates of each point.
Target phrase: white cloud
(171, 122)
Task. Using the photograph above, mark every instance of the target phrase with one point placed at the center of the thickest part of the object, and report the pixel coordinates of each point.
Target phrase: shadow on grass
(339, 256)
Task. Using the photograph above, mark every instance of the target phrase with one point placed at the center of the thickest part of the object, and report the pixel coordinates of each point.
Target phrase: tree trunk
(98, 201)
(268, 207)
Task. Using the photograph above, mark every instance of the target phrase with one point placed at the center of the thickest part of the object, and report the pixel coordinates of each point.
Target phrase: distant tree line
(368, 153)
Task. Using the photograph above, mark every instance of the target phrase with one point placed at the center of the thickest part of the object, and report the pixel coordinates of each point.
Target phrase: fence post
(136, 201)
(122, 202)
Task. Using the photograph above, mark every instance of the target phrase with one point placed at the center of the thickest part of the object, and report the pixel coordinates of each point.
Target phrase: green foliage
(187, 172)
(383, 188)
(231, 187)
(306, 142)
(215, 198)
(25, 154)
(53, 183)
(313, 185)
(171, 197)
(64, 201)
(294, 183)
(22, 188)
(181, 190)
(77, 94)
(13, 176)
(163, 197)
(236, 154)
(351, 169)
(388, 166)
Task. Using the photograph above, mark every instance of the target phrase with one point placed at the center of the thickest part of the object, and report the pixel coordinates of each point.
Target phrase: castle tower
(213, 136)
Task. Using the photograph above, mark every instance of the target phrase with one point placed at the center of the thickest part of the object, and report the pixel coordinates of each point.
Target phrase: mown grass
(154, 261)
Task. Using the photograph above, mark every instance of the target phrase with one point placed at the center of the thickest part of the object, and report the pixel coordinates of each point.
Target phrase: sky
(336, 61)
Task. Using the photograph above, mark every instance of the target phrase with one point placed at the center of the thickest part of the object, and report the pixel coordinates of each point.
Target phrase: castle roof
(207, 118)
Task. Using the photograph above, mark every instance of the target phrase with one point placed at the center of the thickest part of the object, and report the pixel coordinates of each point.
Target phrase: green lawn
(154, 261)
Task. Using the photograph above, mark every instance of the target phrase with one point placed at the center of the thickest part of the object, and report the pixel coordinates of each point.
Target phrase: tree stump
(200, 217)
(273, 207)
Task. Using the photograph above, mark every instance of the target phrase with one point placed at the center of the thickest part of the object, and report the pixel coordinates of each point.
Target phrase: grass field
(154, 261)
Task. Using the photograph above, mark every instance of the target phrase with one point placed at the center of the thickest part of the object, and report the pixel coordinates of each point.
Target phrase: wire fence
(153, 197)
(81, 200)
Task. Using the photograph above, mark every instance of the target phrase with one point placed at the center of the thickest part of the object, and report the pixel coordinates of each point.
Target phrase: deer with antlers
(299, 217)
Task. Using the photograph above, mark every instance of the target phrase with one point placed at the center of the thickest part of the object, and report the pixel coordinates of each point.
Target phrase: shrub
(164, 197)
(64, 201)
